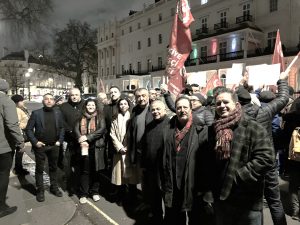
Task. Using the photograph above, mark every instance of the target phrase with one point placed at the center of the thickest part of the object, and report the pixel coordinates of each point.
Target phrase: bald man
(151, 160)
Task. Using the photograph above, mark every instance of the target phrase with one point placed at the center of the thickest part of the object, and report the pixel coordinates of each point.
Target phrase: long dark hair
(91, 100)
(127, 100)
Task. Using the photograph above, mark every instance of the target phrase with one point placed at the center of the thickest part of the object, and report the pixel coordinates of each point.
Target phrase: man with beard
(46, 133)
(72, 111)
(110, 111)
(152, 143)
(183, 145)
(242, 155)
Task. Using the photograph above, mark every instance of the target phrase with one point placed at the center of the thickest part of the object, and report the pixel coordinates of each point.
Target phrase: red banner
(180, 46)
(278, 53)
(213, 82)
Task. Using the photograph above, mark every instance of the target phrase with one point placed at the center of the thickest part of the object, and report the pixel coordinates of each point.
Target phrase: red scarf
(224, 134)
(180, 134)
(91, 127)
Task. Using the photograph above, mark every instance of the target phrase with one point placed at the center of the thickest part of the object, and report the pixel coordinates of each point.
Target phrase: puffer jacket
(203, 116)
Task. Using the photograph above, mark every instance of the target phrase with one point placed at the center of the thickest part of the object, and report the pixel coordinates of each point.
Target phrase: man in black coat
(152, 159)
(72, 111)
(181, 174)
(45, 131)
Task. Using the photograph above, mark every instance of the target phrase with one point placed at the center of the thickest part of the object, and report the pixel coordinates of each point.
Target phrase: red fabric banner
(213, 82)
(180, 46)
(278, 53)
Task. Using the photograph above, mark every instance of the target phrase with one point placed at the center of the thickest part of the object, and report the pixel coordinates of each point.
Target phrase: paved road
(106, 212)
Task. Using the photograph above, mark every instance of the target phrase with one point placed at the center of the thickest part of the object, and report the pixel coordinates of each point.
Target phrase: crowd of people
(199, 159)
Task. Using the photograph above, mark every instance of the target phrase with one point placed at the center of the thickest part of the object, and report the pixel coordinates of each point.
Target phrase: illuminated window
(203, 2)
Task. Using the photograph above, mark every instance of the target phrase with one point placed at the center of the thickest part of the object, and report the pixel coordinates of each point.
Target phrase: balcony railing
(221, 25)
(244, 18)
(232, 55)
(203, 30)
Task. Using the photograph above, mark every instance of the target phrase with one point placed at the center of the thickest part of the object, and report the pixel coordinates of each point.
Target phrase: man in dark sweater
(46, 133)
(72, 111)
(152, 159)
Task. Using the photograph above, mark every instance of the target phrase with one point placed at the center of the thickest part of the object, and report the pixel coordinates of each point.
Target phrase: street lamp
(27, 75)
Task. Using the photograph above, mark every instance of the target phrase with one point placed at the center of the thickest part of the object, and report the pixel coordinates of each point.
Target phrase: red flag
(213, 82)
(278, 53)
(180, 46)
(101, 86)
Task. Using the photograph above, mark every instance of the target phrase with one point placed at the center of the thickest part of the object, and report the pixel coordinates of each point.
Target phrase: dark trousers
(5, 166)
(89, 178)
(152, 194)
(294, 186)
(51, 152)
(272, 195)
(18, 160)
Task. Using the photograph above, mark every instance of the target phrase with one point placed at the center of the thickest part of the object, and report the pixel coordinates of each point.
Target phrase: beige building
(224, 32)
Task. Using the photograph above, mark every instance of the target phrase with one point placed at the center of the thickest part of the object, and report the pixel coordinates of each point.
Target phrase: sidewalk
(21, 193)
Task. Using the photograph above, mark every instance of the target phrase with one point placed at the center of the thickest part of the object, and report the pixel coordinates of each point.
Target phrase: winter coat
(252, 155)
(198, 143)
(23, 118)
(10, 133)
(203, 116)
(95, 140)
(122, 172)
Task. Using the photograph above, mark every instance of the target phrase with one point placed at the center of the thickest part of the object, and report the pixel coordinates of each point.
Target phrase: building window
(106, 38)
(139, 67)
(113, 70)
(159, 62)
(203, 51)
(273, 5)
(107, 54)
(102, 72)
(122, 32)
(101, 39)
(122, 69)
(159, 38)
(130, 29)
(149, 42)
(113, 51)
(149, 65)
(246, 9)
(160, 17)
(204, 22)
(139, 45)
(271, 39)
(130, 68)
(102, 55)
(223, 16)
(149, 21)
(173, 11)
(139, 26)
(107, 71)
(223, 79)
(203, 2)
(222, 47)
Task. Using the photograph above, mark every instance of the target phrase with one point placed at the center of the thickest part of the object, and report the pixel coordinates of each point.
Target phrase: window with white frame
(223, 17)
(272, 39)
(273, 5)
(246, 9)
(223, 47)
(204, 22)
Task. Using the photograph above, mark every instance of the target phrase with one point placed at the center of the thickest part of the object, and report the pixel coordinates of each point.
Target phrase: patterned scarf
(180, 134)
(88, 128)
(224, 134)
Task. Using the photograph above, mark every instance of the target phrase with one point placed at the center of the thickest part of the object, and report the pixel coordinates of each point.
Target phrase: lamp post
(27, 75)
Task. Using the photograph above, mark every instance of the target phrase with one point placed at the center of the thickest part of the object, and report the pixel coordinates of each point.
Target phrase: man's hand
(82, 139)
(57, 143)
(163, 88)
(40, 144)
(284, 75)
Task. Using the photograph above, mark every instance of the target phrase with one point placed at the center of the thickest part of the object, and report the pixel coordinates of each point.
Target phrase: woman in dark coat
(90, 131)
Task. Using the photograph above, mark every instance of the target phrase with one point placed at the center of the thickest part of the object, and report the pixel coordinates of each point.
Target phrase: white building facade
(224, 32)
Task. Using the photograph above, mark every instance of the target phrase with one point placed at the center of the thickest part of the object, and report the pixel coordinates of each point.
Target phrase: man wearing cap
(201, 115)
(244, 99)
(23, 116)
(10, 138)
